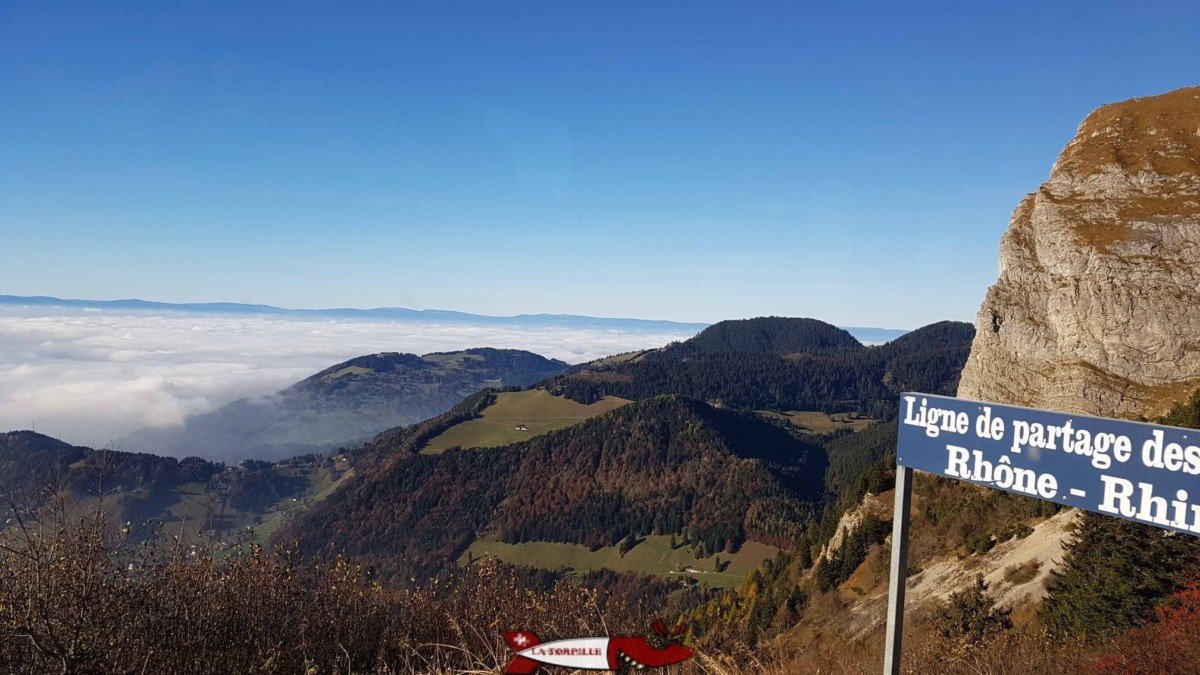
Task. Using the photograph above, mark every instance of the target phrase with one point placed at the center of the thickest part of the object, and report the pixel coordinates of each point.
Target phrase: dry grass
(1017, 651)
(1023, 573)
(82, 595)
(820, 423)
(1155, 133)
(1155, 400)
(1162, 398)
(1104, 223)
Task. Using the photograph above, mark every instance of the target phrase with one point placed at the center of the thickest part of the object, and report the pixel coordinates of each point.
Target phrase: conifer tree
(1113, 575)
(970, 617)
(1116, 572)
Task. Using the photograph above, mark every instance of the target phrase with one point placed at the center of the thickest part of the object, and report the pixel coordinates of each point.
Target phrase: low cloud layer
(90, 377)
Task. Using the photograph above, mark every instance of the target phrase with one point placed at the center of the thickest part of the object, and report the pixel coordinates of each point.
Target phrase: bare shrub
(80, 595)
(1022, 573)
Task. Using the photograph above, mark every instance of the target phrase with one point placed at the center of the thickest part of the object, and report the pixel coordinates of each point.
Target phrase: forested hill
(391, 374)
(767, 335)
(665, 465)
(346, 404)
(399, 442)
(16, 444)
(782, 364)
(190, 500)
(34, 466)
(29, 461)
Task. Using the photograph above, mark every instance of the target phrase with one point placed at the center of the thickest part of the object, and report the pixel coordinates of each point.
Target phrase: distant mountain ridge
(867, 335)
(345, 404)
(371, 314)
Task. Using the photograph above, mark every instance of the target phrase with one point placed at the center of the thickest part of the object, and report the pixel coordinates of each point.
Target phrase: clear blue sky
(692, 161)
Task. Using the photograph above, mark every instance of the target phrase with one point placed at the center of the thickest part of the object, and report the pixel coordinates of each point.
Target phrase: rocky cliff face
(1097, 307)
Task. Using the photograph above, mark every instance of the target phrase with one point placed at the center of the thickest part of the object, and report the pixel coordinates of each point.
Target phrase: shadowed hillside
(346, 404)
(781, 364)
(666, 465)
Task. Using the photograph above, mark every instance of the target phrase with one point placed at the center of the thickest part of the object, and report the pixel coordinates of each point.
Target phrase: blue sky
(691, 161)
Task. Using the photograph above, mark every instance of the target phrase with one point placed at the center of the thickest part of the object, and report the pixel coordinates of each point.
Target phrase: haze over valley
(429, 338)
(93, 372)
(92, 377)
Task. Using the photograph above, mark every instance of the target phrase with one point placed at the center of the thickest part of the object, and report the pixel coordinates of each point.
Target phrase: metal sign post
(1146, 473)
(895, 620)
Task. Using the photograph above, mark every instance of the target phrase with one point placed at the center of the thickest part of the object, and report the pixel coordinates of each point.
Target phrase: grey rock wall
(1097, 306)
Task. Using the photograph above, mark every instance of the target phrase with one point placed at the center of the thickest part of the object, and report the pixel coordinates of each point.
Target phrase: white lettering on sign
(1132, 470)
(972, 466)
(1123, 498)
(935, 420)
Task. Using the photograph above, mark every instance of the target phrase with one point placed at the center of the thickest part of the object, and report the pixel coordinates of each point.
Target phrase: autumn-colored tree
(1168, 646)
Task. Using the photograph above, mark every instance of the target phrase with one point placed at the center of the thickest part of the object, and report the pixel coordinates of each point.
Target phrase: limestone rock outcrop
(1097, 306)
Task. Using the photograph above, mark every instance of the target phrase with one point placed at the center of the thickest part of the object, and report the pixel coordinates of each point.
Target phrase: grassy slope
(538, 410)
(652, 556)
(820, 423)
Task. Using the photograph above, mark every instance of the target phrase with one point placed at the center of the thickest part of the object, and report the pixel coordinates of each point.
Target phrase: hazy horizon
(690, 162)
(214, 305)
(90, 376)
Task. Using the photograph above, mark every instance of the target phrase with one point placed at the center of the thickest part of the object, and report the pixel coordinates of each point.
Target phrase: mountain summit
(771, 335)
(1095, 309)
(780, 364)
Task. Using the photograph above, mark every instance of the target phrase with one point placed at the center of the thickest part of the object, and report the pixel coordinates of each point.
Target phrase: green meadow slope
(517, 416)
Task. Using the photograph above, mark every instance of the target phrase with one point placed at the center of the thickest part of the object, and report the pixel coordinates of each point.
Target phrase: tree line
(745, 373)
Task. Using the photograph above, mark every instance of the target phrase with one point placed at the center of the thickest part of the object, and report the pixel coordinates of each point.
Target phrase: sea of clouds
(91, 376)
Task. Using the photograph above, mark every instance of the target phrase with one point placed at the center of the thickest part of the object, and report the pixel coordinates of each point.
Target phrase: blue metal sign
(1141, 472)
